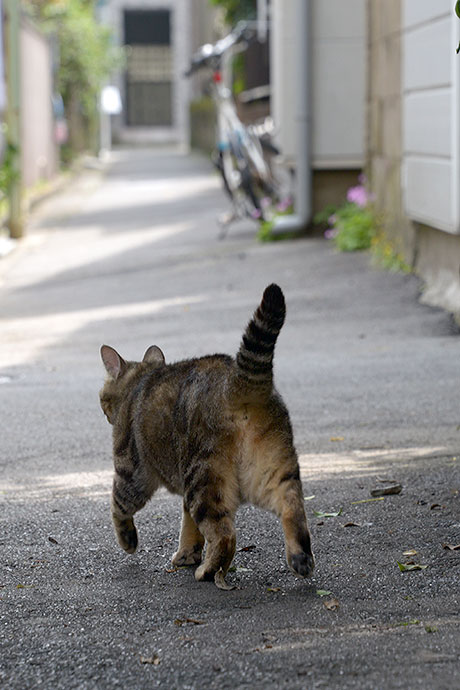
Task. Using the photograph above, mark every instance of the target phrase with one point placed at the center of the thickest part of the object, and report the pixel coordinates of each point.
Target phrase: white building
(159, 36)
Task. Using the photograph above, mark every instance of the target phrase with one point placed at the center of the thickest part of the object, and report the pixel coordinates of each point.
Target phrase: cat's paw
(202, 573)
(127, 537)
(302, 564)
(187, 556)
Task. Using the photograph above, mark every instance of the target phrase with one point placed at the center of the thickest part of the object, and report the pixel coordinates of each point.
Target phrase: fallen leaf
(332, 604)
(308, 498)
(192, 621)
(53, 540)
(410, 566)
(451, 547)
(172, 570)
(273, 589)
(323, 592)
(238, 569)
(337, 438)
(351, 524)
(367, 500)
(251, 547)
(410, 552)
(321, 514)
(20, 586)
(154, 660)
(435, 506)
(430, 629)
(386, 490)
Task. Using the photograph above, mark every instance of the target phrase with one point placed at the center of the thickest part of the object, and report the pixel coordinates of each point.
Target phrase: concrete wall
(434, 254)
(39, 150)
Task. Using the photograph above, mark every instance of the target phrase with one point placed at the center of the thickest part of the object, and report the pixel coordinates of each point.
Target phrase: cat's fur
(214, 430)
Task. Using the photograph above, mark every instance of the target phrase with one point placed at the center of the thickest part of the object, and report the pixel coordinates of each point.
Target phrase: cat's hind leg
(288, 504)
(275, 485)
(191, 542)
(220, 549)
(211, 497)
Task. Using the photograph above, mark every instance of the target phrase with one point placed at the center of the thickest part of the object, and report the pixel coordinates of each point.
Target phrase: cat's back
(184, 391)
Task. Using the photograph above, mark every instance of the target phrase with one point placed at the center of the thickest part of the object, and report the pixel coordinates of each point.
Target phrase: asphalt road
(130, 257)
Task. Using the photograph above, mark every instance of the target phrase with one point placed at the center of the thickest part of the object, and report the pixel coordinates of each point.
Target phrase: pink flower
(332, 220)
(284, 204)
(330, 233)
(358, 195)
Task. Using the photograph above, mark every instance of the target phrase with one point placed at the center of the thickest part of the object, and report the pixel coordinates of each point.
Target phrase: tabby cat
(214, 430)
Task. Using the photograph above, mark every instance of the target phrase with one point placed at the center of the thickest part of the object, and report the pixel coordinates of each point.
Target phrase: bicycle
(245, 156)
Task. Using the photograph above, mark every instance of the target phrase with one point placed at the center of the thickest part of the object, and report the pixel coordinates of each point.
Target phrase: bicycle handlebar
(210, 55)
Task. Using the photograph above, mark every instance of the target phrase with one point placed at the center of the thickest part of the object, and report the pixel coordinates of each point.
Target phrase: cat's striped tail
(254, 380)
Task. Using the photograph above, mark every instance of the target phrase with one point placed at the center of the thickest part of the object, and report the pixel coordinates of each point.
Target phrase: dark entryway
(149, 68)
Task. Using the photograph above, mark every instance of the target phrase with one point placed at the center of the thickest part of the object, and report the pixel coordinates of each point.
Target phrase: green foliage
(236, 10)
(8, 172)
(85, 49)
(265, 232)
(355, 227)
(385, 255)
(322, 217)
(239, 74)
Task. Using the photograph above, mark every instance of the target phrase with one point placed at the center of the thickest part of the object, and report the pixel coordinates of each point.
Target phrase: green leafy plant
(355, 226)
(352, 225)
(265, 233)
(8, 172)
(236, 10)
(86, 52)
(385, 255)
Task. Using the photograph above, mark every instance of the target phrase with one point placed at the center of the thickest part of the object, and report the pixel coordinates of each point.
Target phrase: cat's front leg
(191, 542)
(130, 493)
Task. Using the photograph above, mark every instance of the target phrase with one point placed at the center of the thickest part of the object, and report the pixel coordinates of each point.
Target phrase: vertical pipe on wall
(302, 89)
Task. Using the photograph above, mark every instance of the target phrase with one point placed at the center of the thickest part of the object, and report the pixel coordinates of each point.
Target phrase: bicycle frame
(246, 173)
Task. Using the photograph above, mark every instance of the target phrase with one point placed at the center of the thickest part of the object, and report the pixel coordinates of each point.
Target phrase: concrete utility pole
(12, 67)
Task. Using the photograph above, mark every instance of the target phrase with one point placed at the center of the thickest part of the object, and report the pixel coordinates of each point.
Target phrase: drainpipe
(300, 219)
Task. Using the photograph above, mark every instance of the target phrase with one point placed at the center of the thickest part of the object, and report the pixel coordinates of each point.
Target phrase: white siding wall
(112, 13)
(430, 82)
(337, 79)
(338, 83)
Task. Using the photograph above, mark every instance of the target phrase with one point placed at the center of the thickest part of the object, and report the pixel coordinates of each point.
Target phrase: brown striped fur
(213, 430)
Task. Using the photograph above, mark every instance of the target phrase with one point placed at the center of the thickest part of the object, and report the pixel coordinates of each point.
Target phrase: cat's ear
(153, 355)
(113, 362)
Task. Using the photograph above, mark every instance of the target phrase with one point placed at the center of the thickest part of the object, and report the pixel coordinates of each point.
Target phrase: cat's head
(120, 374)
